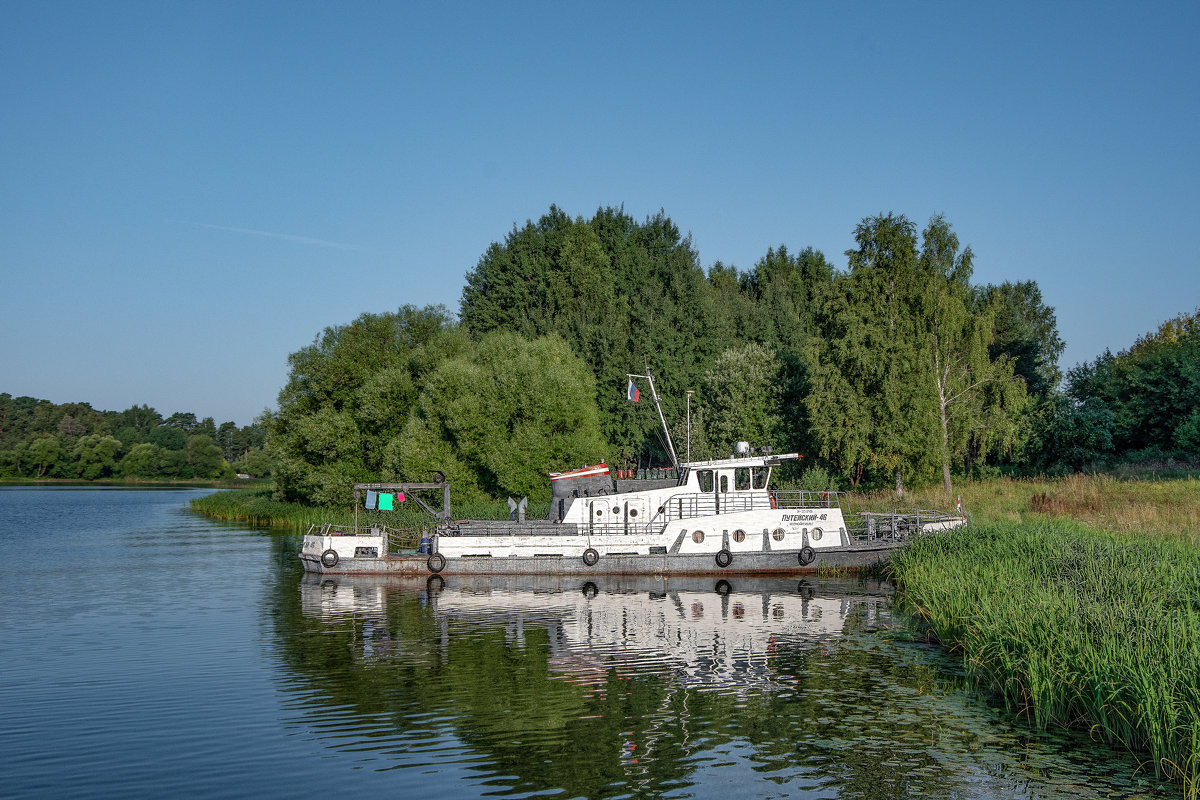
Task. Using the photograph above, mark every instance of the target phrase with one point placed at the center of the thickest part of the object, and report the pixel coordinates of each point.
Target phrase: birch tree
(976, 396)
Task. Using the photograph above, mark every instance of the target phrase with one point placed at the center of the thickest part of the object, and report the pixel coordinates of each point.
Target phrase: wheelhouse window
(750, 478)
(724, 483)
(705, 477)
(741, 478)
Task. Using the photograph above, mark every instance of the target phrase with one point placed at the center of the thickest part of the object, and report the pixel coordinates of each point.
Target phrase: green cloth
(385, 501)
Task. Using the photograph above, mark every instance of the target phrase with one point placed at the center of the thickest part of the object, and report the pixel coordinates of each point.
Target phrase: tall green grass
(258, 508)
(1072, 627)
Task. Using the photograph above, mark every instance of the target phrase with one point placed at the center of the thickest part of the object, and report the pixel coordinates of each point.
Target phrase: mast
(658, 405)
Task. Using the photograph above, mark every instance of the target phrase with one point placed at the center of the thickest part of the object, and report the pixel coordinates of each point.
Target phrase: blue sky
(189, 192)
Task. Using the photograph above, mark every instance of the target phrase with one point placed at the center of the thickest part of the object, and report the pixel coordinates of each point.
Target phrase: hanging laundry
(385, 501)
(372, 498)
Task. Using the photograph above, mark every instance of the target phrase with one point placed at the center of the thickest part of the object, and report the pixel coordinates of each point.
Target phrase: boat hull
(742, 563)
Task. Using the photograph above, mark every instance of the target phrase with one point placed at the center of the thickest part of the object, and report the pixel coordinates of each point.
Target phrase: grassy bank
(1072, 627)
(1101, 502)
(257, 508)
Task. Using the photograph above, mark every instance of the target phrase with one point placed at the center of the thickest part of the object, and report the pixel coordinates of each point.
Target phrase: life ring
(436, 563)
(590, 557)
(724, 558)
(807, 555)
(329, 558)
(774, 504)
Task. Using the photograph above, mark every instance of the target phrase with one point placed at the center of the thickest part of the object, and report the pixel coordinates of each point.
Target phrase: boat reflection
(558, 687)
(706, 633)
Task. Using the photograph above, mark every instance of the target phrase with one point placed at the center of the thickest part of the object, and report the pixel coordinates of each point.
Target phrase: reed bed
(258, 508)
(1072, 627)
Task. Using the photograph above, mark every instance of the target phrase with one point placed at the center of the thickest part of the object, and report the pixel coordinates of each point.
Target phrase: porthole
(817, 533)
(739, 536)
(599, 512)
(633, 512)
(697, 536)
(616, 511)
(777, 534)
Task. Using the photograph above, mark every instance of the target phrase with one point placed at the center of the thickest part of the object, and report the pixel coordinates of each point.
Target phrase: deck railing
(898, 525)
(395, 539)
(682, 506)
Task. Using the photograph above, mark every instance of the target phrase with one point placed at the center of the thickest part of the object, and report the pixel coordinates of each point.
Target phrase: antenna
(658, 405)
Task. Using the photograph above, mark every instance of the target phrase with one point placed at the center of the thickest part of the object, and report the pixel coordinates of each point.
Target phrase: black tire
(590, 590)
(435, 583)
(590, 557)
(329, 558)
(436, 563)
(724, 558)
(807, 556)
(723, 588)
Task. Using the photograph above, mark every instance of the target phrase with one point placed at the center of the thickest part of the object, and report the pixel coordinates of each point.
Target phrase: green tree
(1026, 333)
(621, 293)
(978, 399)
(867, 412)
(348, 395)
(168, 438)
(205, 458)
(1078, 433)
(742, 399)
(44, 453)
(182, 420)
(94, 456)
(142, 461)
(255, 462)
(142, 419)
(496, 420)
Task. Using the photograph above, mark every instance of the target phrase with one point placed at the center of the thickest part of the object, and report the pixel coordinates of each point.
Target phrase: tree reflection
(622, 687)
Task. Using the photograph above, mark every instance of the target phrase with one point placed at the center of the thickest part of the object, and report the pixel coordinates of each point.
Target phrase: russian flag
(632, 392)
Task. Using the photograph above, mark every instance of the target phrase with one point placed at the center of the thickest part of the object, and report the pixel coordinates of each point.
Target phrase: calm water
(148, 652)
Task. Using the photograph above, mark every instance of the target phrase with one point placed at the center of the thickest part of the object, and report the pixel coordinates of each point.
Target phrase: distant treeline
(896, 369)
(40, 439)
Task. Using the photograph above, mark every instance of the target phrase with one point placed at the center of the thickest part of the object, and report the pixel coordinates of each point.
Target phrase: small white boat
(719, 516)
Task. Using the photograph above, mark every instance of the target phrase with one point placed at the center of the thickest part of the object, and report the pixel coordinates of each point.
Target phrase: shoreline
(1070, 599)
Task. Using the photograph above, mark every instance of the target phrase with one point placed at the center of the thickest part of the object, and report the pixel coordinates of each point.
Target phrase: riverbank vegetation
(40, 440)
(260, 507)
(896, 371)
(1072, 627)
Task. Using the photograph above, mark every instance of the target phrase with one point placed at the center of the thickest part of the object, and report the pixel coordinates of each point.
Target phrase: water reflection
(673, 688)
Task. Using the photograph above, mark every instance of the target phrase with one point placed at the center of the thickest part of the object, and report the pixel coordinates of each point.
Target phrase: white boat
(716, 516)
